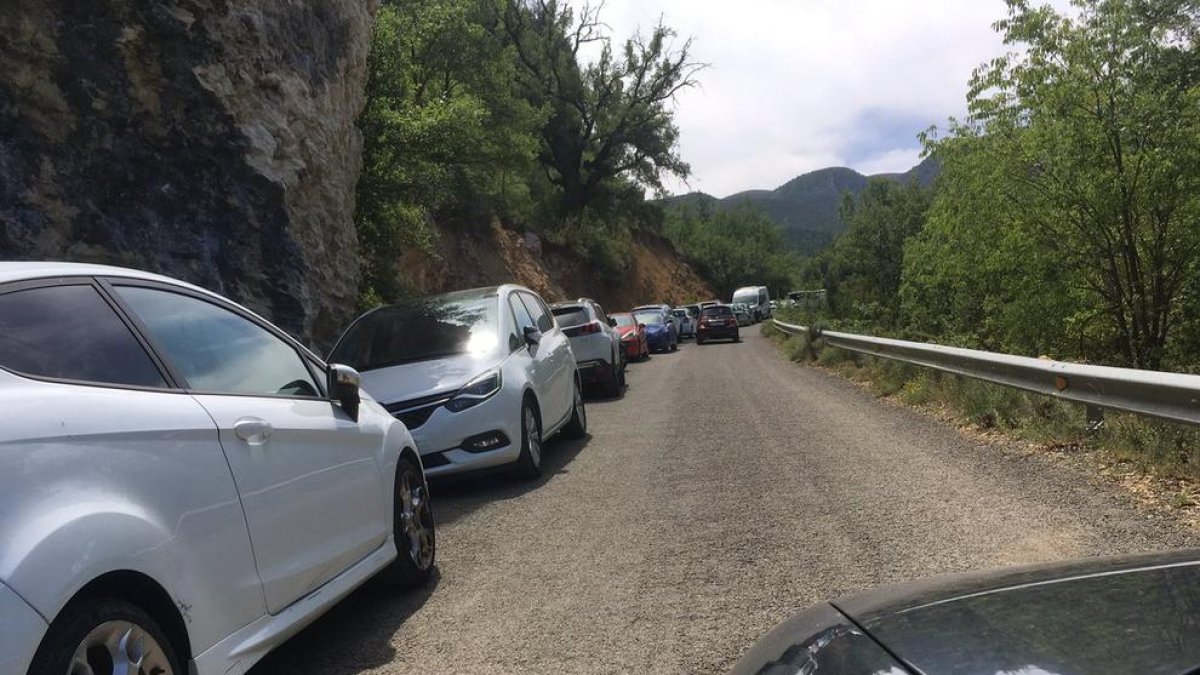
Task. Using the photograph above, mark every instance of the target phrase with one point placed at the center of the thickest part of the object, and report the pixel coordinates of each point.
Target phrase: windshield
(681, 313)
(748, 297)
(419, 330)
(649, 318)
(624, 319)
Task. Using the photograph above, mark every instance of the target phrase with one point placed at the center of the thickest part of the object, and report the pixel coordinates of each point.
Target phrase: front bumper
(21, 629)
(632, 348)
(440, 439)
(658, 341)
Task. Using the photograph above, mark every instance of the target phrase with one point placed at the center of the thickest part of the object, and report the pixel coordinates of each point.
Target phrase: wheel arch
(149, 596)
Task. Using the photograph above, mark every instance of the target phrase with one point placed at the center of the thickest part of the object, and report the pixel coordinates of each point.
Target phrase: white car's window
(520, 314)
(71, 333)
(217, 350)
(538, 311)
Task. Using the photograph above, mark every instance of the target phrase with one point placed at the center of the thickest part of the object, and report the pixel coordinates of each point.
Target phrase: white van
(757, 298)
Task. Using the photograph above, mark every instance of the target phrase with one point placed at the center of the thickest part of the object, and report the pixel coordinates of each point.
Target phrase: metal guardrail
(1171, 396)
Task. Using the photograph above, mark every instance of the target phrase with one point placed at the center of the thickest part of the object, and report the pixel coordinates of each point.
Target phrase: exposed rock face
(210, 140)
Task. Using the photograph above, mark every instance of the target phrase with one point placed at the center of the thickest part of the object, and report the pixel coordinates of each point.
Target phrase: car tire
(529, 462)
(577, 426)
(699, 340)
(737, 337)
(612, 385)
(86, 628)
(413, 527)
(674, 345)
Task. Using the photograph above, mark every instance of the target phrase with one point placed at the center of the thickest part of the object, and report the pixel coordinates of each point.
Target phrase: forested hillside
(1066, 219)
(523, 115)
(808, 207)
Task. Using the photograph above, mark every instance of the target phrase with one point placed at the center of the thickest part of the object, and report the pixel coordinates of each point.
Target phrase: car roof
(22, 271)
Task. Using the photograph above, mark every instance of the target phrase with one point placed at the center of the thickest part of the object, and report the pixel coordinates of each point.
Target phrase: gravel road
(726, 490)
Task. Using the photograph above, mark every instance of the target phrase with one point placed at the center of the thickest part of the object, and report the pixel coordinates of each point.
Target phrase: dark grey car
(1135, 615)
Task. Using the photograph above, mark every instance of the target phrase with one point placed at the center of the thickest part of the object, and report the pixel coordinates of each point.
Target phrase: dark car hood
(1136, 615)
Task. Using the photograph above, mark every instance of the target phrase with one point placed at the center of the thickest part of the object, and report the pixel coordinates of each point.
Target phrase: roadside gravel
(726, 490)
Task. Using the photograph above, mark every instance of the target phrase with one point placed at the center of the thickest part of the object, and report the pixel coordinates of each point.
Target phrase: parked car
(757, 300)
(667, 310)
(595, 343)
(687, 328)
(1133, 614)
(182, 485)
(633, 337)
(481, 377)
(742, 313)
(693, 311)
(717, 322)
(661, 332)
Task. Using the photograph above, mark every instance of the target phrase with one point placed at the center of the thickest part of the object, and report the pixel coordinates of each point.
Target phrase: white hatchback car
(481, 377)
(182, 485)
(594, 342)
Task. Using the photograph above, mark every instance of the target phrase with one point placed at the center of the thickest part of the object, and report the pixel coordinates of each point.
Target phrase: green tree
(1084, 167)
(734, 247)
(445, 132)
(609, 120)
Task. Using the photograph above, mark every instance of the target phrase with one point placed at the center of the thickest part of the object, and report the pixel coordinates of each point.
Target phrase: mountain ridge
(807, 206)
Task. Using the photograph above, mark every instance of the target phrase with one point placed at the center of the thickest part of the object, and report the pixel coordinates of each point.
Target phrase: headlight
(476, 391)
(628, 336)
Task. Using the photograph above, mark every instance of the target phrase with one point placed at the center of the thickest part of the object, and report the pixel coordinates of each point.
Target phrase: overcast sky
(798, 85)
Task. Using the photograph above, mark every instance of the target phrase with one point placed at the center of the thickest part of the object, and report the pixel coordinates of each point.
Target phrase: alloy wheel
(534, 435)
(119, 648)
(416, 519)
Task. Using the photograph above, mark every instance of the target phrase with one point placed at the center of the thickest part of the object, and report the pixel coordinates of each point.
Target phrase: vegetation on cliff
(517, 110)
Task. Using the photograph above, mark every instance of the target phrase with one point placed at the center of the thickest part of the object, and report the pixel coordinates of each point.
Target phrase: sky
(799, 85)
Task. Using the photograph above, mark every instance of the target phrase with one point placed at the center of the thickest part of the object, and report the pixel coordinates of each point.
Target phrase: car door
(559, 370)
(308, 475)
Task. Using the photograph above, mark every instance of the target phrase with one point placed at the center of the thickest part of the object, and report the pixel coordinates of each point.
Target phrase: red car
(633, 337)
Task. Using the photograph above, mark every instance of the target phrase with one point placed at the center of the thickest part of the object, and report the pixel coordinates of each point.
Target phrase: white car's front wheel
(104, 636)
(416, 539)
(529, 462)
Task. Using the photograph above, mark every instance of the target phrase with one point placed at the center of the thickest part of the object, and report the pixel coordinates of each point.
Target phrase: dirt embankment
(467, 258)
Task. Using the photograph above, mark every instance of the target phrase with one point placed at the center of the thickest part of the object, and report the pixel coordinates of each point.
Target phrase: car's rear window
(570, 316)
(716, 311)
(624, 319)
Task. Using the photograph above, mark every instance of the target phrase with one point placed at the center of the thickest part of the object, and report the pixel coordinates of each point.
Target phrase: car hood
(424, 378)
(1136, 614)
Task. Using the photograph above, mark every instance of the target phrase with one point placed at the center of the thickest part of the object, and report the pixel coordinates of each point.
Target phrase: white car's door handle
(253, 430)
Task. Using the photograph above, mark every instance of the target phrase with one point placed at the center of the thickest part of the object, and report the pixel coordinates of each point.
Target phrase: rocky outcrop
(210, 140)
(472, 257)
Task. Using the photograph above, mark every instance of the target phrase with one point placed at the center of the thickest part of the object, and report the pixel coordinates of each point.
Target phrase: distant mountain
(807, 206)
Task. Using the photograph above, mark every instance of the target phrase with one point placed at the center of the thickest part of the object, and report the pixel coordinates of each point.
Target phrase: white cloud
(797, 85)
(897, 160)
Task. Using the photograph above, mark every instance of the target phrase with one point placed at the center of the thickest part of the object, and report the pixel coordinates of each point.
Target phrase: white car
(595, 343)
(481, 377)
(182, 485)
(687, 325)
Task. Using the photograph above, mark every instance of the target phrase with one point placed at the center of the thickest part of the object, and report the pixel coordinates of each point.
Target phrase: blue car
(661, 333)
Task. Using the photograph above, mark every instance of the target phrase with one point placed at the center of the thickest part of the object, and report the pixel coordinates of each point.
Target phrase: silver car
(182, 485)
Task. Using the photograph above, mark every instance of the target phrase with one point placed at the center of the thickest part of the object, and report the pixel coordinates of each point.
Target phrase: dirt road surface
(727, 489)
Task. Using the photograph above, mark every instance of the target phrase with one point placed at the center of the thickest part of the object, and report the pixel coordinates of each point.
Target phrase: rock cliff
(210, 140)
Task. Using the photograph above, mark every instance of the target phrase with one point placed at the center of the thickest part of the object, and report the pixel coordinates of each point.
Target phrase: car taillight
(587, 328)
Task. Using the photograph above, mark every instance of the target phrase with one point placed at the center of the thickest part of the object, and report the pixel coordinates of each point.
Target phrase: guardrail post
(1095, 419)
